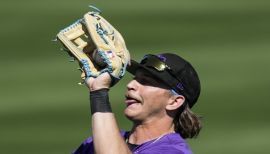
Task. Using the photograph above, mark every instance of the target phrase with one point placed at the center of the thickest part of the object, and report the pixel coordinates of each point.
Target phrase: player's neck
(146, 131)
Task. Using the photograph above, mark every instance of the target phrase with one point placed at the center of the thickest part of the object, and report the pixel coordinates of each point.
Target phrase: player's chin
(131, 113)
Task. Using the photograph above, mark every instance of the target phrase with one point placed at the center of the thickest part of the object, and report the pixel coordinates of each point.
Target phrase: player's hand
(102, 81)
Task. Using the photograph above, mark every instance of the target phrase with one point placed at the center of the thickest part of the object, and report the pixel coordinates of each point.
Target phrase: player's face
(146, 98)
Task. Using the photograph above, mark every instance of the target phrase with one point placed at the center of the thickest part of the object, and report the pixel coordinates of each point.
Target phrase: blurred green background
(44, 111)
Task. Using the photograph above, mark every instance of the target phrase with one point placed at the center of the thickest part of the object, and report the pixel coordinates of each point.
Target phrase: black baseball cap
(174, 71)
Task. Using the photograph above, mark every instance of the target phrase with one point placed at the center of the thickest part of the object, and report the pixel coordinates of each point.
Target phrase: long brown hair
(187, 123)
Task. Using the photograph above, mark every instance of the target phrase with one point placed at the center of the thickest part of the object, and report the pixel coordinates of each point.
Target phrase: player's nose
(132, 85)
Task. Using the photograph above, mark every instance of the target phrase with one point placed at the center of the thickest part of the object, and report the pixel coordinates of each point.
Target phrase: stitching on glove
(123, 70)
(101, 32)
(95, 9)
(76, 23)
(86, 67)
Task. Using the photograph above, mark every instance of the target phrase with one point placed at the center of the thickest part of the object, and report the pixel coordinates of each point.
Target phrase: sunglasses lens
(154, 62)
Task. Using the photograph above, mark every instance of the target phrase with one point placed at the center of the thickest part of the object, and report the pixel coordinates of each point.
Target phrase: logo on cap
(180, 86)
(162, 58)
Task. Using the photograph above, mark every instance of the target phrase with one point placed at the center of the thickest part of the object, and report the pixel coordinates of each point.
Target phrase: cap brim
(133, 67)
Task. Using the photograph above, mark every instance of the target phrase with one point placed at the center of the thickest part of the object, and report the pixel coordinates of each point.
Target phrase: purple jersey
(171, 143)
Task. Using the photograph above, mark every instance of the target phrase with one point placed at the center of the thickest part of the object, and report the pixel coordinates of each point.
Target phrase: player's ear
(175, 102)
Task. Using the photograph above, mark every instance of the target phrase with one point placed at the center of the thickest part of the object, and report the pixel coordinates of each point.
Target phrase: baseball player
(158, 102)
(158, 99)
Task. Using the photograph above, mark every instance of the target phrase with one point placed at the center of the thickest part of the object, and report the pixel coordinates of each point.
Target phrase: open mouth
(130, 100)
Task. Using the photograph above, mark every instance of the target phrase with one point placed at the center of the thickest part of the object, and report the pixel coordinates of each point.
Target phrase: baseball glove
(97, 46)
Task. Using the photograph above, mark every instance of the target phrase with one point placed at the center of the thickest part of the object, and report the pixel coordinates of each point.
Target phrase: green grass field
(44, 111)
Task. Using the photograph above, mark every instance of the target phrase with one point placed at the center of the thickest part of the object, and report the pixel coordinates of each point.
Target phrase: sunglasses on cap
(156, 63)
